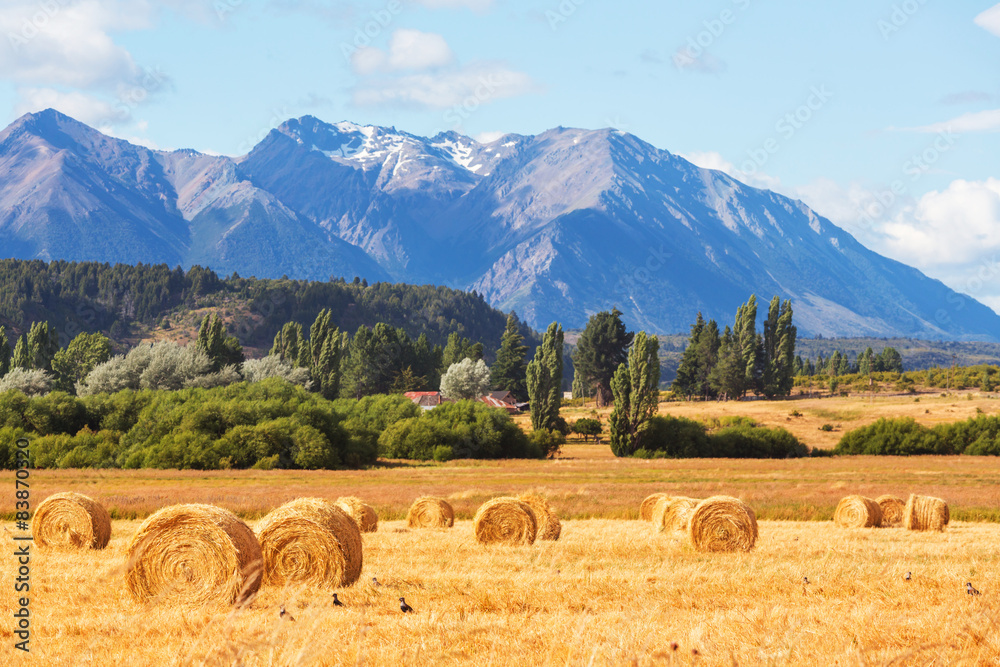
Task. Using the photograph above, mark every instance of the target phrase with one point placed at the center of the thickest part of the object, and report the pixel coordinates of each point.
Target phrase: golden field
(929, 407)
(609, 592)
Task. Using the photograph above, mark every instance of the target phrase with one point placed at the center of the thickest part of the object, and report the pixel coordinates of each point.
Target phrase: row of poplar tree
(740, 360)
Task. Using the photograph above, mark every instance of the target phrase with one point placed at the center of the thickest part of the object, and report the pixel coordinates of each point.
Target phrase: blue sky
(882, 115)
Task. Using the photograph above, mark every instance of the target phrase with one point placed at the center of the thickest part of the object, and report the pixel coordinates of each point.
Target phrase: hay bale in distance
(926, 513)
(430, 512)
(505, 521)
(547, 523)
(723, 523)
(892, 510)
(71, 521)
(649, 504)
(310, 541)
(363, 514)
(193, 554)
(673, 513)
(858, 512)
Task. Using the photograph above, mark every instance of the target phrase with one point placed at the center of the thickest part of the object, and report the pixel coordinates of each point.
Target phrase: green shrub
(675, 437)
(263, 425)
(893, 437)
(979, 436)
(482, 432)
(756, 442)
(415, 438)
(588, 427)
(84, 450)
(731, 437)
(8, 446)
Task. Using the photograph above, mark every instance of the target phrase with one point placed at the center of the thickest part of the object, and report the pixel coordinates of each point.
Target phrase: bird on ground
(907, 577)
(284, 615)
(336, 602)
(805, 581)
(375, 582)
(970, 590)
(405, 608)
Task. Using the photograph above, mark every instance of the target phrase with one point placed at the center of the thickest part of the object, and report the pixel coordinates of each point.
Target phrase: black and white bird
(970, 590)
(405, 608)
(375, 582)
(908, 576)
(284, 615)
(336, 602)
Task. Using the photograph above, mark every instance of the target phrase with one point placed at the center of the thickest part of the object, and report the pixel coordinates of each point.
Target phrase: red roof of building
(496, 403)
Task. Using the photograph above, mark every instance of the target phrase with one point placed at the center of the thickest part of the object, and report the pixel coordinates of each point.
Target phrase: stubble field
(610, 591)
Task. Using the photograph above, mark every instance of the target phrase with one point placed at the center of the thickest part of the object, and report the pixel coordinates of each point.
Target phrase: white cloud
(976, 121)
(420, 69)
(990, 20)
(469, 85)
(63, 54)
(415, 50)
(85, 108)
(952, 235)
(952, 227)
(66, 45)
(408, 50)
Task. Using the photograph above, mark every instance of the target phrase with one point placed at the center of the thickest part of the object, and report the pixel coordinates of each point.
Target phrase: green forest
(127, 302)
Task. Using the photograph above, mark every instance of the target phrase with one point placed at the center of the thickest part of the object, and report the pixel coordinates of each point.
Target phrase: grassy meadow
(611, 591)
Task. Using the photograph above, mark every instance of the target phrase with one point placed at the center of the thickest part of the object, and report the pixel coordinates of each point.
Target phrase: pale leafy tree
(163, 365)
(466, 379)
(273, 366)
(31, 382)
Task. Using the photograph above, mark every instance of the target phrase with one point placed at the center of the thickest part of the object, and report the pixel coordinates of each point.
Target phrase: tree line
(887, 361)
(740, 360)
(120, 300)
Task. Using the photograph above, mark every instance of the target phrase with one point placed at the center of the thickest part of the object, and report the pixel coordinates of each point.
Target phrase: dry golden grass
(587, 482)
(843, 413)
(607, 593)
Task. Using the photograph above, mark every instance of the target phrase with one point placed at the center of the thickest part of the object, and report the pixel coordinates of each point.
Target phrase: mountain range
(555, 226)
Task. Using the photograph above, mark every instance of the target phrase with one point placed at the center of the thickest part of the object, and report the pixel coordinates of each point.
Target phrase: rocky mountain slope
(555, 226)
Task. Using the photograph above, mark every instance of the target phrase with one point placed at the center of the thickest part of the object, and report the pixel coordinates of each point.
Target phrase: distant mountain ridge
(555, 226)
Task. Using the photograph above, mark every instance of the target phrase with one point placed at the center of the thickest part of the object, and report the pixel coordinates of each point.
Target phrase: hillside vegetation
(129, 303)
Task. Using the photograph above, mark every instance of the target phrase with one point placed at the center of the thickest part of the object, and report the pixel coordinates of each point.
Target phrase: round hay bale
(723, 523)
(548, 525)
(364, 515)
(505, 521)
(925, 513)
(892, 510)
(71, 521)
(649, 504)
(310, 541)
(673, 513)
(858, 512)
(193, 554)
(430, 512)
